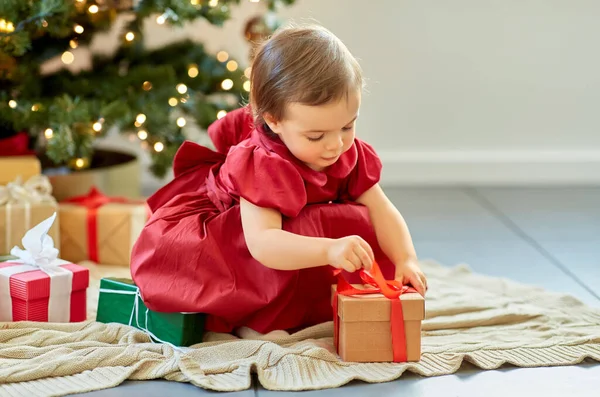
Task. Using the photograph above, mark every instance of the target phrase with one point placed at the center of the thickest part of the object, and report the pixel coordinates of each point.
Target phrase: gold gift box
(13, 167)
(118, 226)
(17, 219)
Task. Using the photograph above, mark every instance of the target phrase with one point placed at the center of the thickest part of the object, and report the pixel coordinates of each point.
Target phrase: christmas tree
(153, 93)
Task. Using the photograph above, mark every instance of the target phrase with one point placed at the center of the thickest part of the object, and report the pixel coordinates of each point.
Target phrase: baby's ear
(272, 122)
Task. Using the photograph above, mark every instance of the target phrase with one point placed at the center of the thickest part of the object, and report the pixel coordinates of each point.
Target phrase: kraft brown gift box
(118, 225)
(24, 167)
(17, 219)
(365, 327)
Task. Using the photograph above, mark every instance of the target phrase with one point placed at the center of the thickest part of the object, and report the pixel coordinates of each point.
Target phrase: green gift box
(120, 302)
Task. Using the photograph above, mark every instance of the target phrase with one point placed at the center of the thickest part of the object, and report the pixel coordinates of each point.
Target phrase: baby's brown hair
(307, 65)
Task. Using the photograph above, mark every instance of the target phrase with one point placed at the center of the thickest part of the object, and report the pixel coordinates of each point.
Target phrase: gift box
(100, 228)
(120, 302)
(16, 159)
(38, 286)
(373, 327)
(12, 167)
(23, 205)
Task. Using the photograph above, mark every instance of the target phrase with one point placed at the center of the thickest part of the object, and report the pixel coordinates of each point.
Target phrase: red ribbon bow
(17, 145)
(391, 289)
(92, 201)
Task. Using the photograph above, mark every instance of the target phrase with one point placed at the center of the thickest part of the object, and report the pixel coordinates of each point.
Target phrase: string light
(6, 26)
(194, 2)
(45, 23)
(67, 57)
(232, 66)
(222, 56)
(161, 19)
(12, 103)
(78, 29)
(79, 163)
(193, 71)
(140, 118)
(129, 36)
(213, 3)
(81, 1)
(73, 43)
(181, 88)
(173, 102)
(254, 1)
(35, 107)
(142, 134)
(248, 72)
(183, 100)
(147, 86)
(48, 133)
(227, 84)
(247, 85)
(93, 9)
(221, 114)
(181, 122)
(158, 147)
(97, 126)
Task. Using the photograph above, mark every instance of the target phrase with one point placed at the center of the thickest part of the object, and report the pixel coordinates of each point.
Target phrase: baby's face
(319, 135)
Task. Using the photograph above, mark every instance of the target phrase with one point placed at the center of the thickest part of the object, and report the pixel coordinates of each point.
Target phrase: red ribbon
(92, 201)
(17, 145)
(391, 289)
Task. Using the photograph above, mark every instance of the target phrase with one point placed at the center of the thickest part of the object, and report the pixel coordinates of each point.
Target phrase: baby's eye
(348, 127)
(314, 138)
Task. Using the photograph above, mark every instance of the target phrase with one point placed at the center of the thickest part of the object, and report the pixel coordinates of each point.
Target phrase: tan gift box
(365, 328)
(118, 226)
(13, 167)
(17, 219)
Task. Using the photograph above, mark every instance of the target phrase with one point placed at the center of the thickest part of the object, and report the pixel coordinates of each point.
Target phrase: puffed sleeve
(232, 129)
(266, 179)
(367, 171)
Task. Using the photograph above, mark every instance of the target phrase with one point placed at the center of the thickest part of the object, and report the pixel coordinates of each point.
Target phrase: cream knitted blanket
(486, 321)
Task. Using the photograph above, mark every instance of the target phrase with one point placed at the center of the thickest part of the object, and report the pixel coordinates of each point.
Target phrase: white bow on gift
(39, 254)
(36, 189)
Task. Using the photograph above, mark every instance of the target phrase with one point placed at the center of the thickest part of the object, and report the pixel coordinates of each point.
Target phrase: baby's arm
(278, 249)
(393, 236)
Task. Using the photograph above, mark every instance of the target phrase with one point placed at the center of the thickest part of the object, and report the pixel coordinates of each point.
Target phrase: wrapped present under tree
(379, 323)
(120, 302)
(23, 205)
(100, 228)
(38, 286)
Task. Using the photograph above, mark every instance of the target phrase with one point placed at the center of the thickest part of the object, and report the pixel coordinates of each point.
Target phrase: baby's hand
(350, 253)
(410, 272)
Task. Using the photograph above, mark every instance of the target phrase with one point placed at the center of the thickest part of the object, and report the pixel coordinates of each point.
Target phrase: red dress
(192, 256)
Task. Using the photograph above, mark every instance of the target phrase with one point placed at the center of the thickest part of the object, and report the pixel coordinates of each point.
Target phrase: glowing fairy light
(142, 134)
(232, 66)
(78, 29)
(222, 56)
(227, 84)
(173, 102)
(140, 118)
(181, 122)
(48, 133)
(158, 147)
(67, 57)
(181, 88)
(221, 114)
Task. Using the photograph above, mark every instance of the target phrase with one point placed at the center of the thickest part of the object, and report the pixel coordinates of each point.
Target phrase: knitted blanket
(486, 321)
